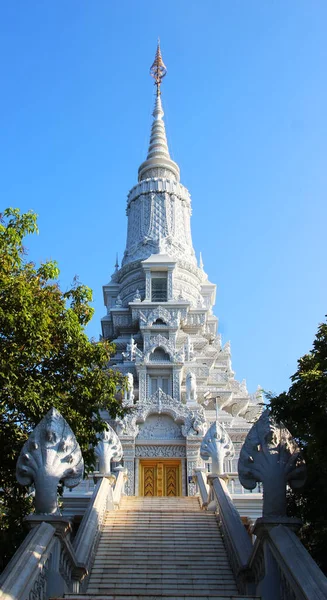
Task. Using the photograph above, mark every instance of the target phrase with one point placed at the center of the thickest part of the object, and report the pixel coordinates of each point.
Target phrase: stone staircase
(161, 547)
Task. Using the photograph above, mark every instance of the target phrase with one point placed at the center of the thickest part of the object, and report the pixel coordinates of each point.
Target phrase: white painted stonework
(167, 341)
(159, 427)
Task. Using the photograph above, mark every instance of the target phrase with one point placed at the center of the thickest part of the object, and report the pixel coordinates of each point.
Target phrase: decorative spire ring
(158, 69)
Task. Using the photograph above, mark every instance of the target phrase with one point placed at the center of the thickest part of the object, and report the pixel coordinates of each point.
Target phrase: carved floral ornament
(193, 423)
(50, 455)
(270, 455)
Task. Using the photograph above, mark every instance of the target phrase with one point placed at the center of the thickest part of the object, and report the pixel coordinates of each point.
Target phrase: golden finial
(158, 69)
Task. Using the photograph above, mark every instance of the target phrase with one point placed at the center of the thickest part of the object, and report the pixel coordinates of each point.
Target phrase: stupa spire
(158, 69)
(158, 162)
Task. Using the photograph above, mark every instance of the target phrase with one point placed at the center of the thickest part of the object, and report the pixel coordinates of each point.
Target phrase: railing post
(263, 563)
(202, 486)
(265, 570)
(60, 570)
(119, 489)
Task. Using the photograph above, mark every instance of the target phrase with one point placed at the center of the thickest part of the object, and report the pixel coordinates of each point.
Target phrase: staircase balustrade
(47, 564)
(237, 540)
(283, 568)
(89, 530)
(26, 575)
(277, 566)
(44, 565)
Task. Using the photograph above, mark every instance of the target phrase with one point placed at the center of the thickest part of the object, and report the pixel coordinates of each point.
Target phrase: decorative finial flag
(117, 263)
(158, 69)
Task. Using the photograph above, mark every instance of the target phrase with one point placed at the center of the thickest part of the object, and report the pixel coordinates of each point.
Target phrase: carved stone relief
(159, 341)
(193, 422)
(129, 455)
(159, 427)
(160, 451)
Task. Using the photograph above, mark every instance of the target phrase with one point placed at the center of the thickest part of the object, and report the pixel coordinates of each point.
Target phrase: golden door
(160, 477)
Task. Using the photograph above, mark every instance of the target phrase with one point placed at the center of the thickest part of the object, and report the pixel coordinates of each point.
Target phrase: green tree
(303, 409)
(46, 359)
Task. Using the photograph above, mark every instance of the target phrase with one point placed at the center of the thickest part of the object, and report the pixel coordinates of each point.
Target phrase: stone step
(206, 527)
(163, 540)
(154, 552)
(185, 502)
(163, 583)
(200, 521)
(169, 572)
(191, 596)
(163, 535)
(166, 567)
(133, 515)
(161, 548)
(183, 561)
(157, 589)
(160, 581)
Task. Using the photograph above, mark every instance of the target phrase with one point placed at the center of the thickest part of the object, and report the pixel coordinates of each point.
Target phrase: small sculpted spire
(158, 140)
(158, 162)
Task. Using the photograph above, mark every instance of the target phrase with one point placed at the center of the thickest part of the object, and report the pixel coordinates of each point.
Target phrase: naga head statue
(271, 455)
(49, 456)
(217, 445)
(108, 447)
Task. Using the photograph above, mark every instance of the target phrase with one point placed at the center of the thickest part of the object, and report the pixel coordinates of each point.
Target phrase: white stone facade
(160, 317)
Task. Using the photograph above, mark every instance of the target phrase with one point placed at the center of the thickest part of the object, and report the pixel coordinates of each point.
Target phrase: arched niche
(159, 354)
(159, 321)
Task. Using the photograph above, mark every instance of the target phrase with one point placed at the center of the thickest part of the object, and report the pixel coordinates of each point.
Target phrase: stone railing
(47, 564)
(282, 567)
(277, 566)
(89, 530)
(107, 496)
(44, 565)
(237, 540)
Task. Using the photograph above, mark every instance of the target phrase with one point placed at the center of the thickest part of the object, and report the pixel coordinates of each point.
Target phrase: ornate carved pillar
(142, 384)
(147, 285)
(128, 444)
(192, 462)
(177, 383)
(170, 283)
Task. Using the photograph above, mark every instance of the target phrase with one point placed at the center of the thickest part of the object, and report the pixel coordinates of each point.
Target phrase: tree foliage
(46, 359)
(303, 409)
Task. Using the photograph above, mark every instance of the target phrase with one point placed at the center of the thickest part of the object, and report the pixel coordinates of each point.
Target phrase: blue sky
(245, 108)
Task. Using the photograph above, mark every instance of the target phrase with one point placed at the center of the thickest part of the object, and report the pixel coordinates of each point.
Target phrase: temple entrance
(160, 477)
